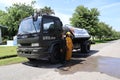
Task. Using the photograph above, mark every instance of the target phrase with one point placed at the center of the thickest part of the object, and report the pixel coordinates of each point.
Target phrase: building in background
(1, 27)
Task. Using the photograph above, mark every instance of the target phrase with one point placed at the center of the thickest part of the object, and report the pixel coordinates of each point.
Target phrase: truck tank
(80, 37)
(77, 32)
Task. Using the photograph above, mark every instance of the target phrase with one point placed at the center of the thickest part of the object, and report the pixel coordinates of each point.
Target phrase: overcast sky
(109, 9)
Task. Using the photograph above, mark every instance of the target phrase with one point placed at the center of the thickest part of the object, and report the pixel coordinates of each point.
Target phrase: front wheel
(54, 56)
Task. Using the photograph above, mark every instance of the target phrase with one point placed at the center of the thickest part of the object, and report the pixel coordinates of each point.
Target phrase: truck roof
(53, 17)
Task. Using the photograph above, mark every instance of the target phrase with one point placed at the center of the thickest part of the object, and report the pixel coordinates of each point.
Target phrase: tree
(3, 17)
(102, 30)
(13, 15)
(85, 18)
(115, 34)
(46, 10)
(105, 31)
(33, 2)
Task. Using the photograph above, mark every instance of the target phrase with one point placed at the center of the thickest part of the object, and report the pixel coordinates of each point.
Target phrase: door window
(48, 25)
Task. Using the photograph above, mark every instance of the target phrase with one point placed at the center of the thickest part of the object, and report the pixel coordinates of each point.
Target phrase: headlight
(35, 44)
(18, 44)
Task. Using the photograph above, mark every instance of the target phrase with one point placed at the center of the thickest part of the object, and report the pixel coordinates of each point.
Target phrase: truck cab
(39, 38)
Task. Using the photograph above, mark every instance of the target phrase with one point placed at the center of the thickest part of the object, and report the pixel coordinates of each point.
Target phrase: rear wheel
(54, 56)
(85, 47)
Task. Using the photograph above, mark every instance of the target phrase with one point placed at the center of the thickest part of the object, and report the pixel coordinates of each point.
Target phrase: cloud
(109, 6)
(7, 3)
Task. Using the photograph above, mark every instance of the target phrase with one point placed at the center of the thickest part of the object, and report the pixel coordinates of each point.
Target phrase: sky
(109, 9)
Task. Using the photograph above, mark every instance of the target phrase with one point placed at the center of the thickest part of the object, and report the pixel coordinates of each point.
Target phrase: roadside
(8, 55)
(109, 49)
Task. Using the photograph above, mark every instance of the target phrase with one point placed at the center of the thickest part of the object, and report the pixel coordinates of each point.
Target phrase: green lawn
(8, 50)
(104, 41)
(12, 60)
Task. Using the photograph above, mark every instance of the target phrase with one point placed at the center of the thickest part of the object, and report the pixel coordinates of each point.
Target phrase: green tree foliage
(3, 17)
(104, 31)
(86, 18)
(115, 34)
(13, 15)
(46, 10)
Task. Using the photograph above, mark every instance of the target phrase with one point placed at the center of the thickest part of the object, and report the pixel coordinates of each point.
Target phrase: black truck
(39, 38)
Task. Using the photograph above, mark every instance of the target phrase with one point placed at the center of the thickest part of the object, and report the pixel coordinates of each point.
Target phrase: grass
(12, 60)
(103, 41)
(8, 50)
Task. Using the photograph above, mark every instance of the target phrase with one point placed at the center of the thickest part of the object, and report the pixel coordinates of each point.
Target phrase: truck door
(51, 29)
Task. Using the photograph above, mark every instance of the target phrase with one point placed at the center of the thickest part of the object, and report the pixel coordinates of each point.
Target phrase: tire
(85, 47)
(54, 56)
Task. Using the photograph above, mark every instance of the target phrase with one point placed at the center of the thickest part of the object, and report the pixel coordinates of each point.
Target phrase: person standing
(69, 45)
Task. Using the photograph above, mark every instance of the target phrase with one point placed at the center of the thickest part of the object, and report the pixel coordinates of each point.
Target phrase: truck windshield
(29, 26)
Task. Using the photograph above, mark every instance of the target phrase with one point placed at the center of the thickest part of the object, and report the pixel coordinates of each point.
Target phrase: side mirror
(35, 17)
(61, 23)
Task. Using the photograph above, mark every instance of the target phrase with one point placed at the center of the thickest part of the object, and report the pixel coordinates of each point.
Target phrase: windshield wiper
(34, 27)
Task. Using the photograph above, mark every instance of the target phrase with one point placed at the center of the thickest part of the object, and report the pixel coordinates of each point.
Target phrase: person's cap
(68, 33)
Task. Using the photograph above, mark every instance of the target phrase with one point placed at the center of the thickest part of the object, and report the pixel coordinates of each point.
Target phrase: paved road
(103, 63)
